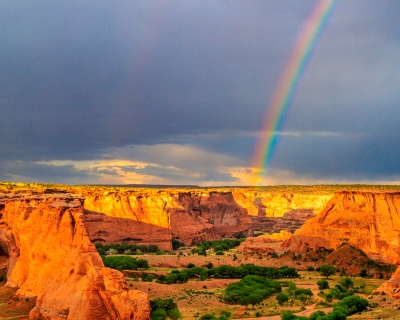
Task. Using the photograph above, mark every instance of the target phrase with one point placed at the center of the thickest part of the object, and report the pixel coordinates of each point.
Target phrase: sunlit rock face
(157, 216)
(220, 210)
(278, 203)
(369, 221)
(264, 244)
(51, 257)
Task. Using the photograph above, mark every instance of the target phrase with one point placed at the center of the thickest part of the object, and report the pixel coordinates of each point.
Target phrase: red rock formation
(265, 243)
(156, 216)
(104, 229)
(291, 221)
(51, 257)
(370, 221)
(219, 210)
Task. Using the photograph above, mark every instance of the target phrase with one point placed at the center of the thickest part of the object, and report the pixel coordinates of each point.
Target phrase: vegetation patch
(125, 263)
(251, 290)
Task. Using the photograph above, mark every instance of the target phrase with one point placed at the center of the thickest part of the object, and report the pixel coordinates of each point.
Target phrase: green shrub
(250, 290)
(159, 314)
(129, 248)
(176, 244)
(174, 314)
(148, 277)
(282, 298)
(166, 304)
(322, 284)
(142, 264)
(327, 270)
(350, 305)
(363, 273)
(347, 282)
(120, 262)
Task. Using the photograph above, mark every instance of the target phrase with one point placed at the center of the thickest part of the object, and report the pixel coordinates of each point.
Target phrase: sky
(176, 92)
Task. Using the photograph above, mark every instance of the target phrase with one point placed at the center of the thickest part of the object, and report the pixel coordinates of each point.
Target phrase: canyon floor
(196, 298)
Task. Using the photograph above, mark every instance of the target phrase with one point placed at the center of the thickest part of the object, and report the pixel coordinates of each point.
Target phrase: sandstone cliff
(370, 221)
(51, 257)
(152, 216)
(264, 244)
(276, 204)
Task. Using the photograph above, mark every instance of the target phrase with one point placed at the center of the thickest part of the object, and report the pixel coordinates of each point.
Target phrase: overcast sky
(175, 92)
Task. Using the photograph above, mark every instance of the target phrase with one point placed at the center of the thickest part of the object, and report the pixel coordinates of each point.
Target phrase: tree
(303, 298)
(317, 315)
(120, 262)
(182, 277)
(252, 299)
(363, 273)
(166, 304)
(282, 298)
(176, 244)
(174, 314)
(171, 278)
(148, 278)
(327, 270)
(142, 264)
(347, 282)
(322, 284)
(161, 279)
(287, 315)
(159, 314)
(350, 305)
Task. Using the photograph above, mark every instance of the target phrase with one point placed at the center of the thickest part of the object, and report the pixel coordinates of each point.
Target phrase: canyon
(157, 216)
(47, 235)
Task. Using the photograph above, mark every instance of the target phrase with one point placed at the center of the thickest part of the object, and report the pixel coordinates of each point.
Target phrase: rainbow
(287, 86)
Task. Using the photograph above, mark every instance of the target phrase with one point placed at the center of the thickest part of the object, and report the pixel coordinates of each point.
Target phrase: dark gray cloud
(31, 171)
(78, 80)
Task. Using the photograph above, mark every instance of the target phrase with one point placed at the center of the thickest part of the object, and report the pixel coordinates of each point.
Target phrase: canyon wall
(51, 257)
(156, 216)
(276, 204)
(369, 221)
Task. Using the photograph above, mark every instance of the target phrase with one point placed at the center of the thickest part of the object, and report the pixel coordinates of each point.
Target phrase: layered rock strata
(156, 217)
(278, 203)
(51, 257)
